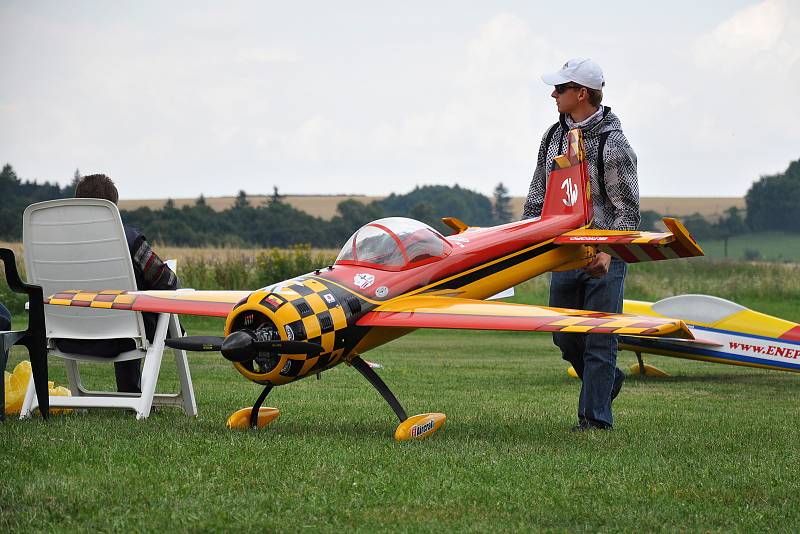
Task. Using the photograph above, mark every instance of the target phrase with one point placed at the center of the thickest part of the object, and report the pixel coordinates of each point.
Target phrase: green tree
(276, 197)
(9, 182)
(502, 205)
(650, 220)
(423, 211)
(352, 214)
(471, 207)
(241, 200)
(699, 227)
(76, 178)
(730, 224)
(773, 202)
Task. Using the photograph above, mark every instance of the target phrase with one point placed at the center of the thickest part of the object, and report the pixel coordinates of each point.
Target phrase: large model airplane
(395, 275)
(726, 332)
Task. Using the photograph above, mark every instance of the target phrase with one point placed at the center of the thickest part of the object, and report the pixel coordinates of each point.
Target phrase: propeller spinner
(242, 345)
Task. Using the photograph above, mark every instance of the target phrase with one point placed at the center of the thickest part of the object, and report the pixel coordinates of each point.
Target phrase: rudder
(568, 188)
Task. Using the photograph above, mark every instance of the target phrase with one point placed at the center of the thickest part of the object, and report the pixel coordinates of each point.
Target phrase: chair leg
(74, 377)
(31, 402)
(184, 375)
(152, 364)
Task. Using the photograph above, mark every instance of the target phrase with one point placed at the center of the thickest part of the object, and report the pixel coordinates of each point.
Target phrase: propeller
(196, 343)
(241, 345)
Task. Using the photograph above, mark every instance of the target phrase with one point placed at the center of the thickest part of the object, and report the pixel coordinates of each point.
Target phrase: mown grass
(713, 448)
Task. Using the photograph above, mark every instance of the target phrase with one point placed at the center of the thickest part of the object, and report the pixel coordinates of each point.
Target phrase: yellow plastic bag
(16, 384)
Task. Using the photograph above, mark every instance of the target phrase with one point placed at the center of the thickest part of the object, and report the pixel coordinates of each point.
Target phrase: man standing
(615, 201)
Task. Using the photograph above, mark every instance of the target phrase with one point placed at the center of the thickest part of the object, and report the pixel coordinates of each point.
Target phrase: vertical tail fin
(568, 191)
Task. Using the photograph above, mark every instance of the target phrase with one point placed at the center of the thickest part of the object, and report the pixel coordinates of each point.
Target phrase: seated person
(151, 273)
(5, 318)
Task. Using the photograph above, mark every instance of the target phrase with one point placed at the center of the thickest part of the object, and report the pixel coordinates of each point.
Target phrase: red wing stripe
(591, 322)
(653, 252)
(645, 324)
(452, 320)
(147, 303)
(623, 252)
(483, 322)
(680, 250)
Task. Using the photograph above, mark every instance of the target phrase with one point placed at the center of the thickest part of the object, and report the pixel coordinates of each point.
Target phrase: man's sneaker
(585, 426)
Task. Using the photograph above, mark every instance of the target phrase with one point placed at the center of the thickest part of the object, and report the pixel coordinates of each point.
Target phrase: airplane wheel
(241, 418)
(649, 370)
(572, 372)
(419, 426)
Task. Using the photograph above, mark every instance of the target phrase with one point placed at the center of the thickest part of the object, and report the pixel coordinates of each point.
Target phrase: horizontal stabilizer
(183, 301)
(448, 312)
(635, 246)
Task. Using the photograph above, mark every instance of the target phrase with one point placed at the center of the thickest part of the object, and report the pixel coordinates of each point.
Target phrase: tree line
(772, 203)
(273, 224)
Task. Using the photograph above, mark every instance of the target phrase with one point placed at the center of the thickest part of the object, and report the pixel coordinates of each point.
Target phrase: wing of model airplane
(447, 312)
(184, 301)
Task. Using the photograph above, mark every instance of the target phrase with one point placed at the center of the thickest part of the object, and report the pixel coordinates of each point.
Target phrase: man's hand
(599, 266)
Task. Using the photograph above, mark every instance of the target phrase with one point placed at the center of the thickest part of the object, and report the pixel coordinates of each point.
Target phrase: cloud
(266, 55)
(486, 120)
(762, 37)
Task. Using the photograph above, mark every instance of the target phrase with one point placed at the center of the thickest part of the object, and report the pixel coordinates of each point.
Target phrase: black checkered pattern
(320, 319)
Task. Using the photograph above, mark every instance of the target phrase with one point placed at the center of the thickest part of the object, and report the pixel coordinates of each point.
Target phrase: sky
(175, 99)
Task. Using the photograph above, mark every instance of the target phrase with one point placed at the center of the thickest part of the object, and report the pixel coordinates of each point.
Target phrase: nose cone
(238, 346)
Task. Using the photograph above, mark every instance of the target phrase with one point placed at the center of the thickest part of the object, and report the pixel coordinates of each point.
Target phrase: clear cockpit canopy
(394, 244)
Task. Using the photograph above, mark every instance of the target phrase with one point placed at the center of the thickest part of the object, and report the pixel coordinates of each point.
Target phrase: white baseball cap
(578, 70)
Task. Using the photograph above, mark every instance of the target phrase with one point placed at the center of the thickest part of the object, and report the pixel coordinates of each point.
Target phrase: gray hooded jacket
(615, 191)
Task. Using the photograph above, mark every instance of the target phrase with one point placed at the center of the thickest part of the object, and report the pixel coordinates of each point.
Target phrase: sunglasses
(561, 88)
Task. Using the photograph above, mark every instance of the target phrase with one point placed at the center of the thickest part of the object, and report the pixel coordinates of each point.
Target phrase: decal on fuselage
(571, 192)
(734, 346)
(363, 280)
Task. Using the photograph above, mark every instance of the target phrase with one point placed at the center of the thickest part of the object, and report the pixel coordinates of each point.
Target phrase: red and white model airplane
(395, 275)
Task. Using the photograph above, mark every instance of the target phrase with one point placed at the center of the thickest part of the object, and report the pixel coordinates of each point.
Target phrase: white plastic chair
(79, 243)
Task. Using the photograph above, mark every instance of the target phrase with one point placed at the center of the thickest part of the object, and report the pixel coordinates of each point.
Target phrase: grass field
(713, 448)
(769, 246)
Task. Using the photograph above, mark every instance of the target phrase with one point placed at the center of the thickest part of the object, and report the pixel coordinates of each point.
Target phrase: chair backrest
(79, 243)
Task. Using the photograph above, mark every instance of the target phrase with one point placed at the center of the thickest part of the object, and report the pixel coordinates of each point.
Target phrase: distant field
(316, 205)
(325, 206)
(769, 246)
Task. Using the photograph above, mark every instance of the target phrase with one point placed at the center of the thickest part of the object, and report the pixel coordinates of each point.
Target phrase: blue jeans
(594, 356)
(5, 318)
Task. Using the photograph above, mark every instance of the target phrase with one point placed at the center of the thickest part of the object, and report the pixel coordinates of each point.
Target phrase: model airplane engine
(266, 347)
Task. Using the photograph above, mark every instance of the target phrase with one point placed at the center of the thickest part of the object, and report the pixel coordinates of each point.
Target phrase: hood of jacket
(604, 122)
